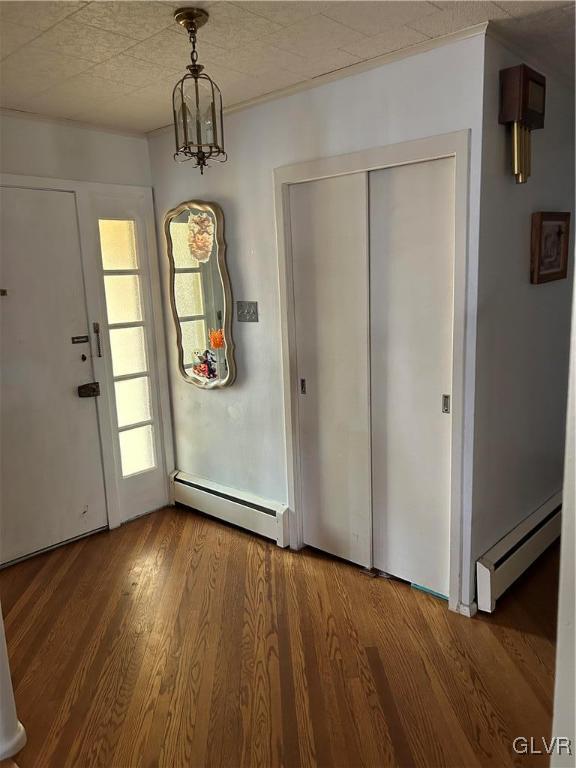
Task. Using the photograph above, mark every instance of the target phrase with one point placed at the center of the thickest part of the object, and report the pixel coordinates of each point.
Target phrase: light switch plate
(247, 311)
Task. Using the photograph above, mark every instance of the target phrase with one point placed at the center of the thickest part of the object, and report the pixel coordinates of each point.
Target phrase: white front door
(52, 486)
(411, 296)
(329, 236)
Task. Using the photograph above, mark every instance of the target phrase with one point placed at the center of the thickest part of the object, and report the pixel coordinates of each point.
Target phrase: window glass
(123, 298)
(194, 340)
(181, 249)
(128, 350)
(132, 401)
(128, 344)
(188, 294)
(137, 450)
(117, 244)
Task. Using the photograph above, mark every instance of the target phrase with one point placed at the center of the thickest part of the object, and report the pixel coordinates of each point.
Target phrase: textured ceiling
(114, 63)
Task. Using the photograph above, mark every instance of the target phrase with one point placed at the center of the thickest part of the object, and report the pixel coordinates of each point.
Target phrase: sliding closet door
(411, 286)
(329, 233)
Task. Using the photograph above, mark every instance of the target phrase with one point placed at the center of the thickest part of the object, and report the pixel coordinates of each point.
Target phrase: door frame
(86, 196)
(456, 145)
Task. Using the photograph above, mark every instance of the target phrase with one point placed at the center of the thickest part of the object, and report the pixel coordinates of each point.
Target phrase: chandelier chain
(192, 37)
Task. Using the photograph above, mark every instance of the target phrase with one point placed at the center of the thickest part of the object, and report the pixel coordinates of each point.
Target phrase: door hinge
(302, 386)
(445, 403)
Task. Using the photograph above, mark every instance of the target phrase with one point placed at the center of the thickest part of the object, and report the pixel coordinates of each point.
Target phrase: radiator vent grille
(244, 502)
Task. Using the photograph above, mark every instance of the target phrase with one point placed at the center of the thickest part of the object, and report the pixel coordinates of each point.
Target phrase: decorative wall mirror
(200, 293)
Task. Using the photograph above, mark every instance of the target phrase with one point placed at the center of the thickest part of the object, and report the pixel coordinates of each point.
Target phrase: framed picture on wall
(549, 250)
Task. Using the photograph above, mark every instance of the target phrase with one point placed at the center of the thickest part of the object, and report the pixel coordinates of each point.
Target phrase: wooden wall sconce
(522, 103)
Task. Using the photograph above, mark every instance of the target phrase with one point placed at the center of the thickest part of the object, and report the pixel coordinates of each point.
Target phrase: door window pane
(132, 401)
(123, 298)
(137, 450)
(127, 345)
(193, 339)
(118, 244)
(128, 350)
(181, 248)
(188, 294)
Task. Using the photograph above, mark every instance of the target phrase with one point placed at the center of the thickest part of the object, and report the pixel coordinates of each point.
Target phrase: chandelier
(197, 103)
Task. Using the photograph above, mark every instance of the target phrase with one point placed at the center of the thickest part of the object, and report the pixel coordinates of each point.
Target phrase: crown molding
(36, 117)
(527, 56)
(350, 71)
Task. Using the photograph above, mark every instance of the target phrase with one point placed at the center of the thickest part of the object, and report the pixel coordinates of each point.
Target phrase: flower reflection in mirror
(197, 103)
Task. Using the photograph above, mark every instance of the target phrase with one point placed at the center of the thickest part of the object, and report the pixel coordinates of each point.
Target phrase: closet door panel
(329, 230)
(411, 286)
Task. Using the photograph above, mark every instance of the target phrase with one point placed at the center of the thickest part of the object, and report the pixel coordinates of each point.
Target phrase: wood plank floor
(177, 641)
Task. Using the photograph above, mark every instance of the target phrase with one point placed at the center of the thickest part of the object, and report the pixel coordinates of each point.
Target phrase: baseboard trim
(503, 563)
(52, 546)
(467, 610)
(262, 516)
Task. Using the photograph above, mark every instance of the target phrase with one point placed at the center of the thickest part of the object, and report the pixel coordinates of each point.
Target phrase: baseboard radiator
(261, 516)
(513, 554)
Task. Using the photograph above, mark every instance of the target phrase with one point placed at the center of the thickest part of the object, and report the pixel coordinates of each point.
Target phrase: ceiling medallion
(197, 103)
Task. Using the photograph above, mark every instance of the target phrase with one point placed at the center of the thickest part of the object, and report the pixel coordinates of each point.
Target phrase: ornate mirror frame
(215, 210)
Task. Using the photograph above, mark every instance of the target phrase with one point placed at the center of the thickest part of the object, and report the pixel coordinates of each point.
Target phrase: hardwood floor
(177, 641)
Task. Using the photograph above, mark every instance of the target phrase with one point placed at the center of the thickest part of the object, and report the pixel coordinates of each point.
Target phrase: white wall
(523, 329)
(235, 436)
(61, 150)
